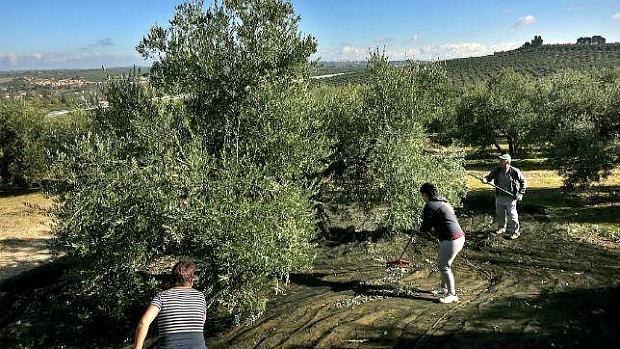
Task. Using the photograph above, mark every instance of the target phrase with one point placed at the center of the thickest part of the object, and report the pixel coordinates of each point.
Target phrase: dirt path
(24, 233)
(545, 289)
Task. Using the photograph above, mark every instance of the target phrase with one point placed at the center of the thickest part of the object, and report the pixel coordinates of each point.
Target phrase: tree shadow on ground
(359, 287)
(543, 203)
(17, 255)
(581, 318)
(339, 236)
(486, 164)
(39, 309)
(9, 191)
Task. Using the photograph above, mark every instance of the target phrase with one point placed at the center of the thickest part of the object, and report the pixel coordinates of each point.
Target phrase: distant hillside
(535, 61)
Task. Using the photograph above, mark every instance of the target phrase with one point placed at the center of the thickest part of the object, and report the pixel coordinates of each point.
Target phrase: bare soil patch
(24, 232)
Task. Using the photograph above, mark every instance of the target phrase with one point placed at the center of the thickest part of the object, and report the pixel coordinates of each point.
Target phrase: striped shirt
(180, 310)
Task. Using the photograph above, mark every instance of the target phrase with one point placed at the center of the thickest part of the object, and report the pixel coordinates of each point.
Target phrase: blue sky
(44, 34)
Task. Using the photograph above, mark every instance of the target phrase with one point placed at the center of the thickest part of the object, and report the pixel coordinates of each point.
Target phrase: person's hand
(519, 197)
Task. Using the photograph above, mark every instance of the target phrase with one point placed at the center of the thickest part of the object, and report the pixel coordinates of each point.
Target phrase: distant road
(56, 113)
(325, 76)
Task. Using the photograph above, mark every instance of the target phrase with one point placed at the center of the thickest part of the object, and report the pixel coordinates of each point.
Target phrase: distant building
(584, 40)
(597, 40)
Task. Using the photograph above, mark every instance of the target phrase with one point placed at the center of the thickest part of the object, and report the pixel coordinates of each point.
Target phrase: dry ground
(24, 232)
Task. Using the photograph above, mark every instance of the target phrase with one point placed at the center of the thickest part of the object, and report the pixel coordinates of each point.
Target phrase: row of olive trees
(573, 116)
(223, 157)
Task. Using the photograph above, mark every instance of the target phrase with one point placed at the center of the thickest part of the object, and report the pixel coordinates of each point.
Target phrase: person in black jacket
(439, 218)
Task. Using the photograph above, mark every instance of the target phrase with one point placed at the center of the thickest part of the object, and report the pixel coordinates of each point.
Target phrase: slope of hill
(536, 61)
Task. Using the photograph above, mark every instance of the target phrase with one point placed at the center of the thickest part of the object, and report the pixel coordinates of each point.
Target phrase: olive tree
(216, 58)
(580, 121)
(213, 160)
(22, 150)
(500, 108)
(381, 147)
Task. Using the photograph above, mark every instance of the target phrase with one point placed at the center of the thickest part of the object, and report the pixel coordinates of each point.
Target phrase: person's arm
(427, 220)
(143, 326)
(522, 183)
(489, 178)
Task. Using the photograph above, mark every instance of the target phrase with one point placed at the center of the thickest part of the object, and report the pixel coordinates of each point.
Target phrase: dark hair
(429, 189)
(183, 273)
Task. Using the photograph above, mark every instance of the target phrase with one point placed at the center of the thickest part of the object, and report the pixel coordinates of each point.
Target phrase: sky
(50, 34)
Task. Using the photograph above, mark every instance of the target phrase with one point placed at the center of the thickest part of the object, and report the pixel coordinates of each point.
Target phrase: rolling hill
(535, 61)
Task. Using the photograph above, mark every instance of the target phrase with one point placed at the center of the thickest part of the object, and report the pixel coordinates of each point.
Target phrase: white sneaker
(440, 292)
(451, 298)
(513, 235)
(500, 231)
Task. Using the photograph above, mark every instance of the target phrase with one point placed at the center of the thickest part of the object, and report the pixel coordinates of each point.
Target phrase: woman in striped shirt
(181, 312)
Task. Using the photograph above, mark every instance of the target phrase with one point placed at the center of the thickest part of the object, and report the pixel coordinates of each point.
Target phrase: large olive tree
(580, 120)
(214, 160)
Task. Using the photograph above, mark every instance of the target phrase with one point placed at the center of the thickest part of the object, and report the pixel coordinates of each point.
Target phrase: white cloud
(427, 52)
(460, 50)
(383, 41)
(344, 52)
(616, 16)
(524, 21)
(66, 60)
(11, 58)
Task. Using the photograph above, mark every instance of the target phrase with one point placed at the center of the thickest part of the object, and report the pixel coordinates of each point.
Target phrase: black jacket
(439, 214)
